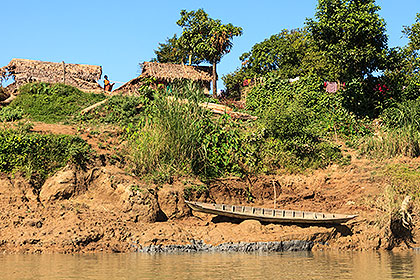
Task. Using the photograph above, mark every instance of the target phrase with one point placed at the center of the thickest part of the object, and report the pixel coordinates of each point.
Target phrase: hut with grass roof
(164, 74)
(25, 71)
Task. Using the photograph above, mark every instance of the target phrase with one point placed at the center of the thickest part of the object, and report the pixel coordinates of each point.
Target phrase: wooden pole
(64, 73)
(214, 75)
(275, 194)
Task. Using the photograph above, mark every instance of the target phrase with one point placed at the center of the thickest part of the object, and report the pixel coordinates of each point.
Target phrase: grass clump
(177, 136)
(388, 143)
(41, 154)
(400, 134)
(405, 178)
(53, 103)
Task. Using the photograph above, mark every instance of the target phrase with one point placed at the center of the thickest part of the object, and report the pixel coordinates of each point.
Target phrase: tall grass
(391, 142)
(400, 134)
(169, 137)
(403, 115)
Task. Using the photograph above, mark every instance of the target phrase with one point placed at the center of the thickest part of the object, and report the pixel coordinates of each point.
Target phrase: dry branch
(218, 109)
(8, 100)
(90, 108)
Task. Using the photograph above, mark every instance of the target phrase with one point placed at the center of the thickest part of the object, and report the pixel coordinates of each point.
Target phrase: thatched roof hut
(167, 73)
(26, 71)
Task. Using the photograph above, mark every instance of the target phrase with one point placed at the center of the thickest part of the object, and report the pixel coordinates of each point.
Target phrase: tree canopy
(281, 52)
(171, 52)
(350, 36)
(206, 38)
(413, 34)
(202, 39)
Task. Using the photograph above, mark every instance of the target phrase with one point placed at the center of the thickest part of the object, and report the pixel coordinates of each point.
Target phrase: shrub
(233, 82)
(21, 150)
(119, 109)
(8, 114)
(219, 146)
(53, 102)
(293, 118)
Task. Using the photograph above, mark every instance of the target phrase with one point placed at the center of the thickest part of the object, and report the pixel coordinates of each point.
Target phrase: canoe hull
(269, 215)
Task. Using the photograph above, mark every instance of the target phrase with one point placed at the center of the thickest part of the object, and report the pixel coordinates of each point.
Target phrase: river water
(291, 265)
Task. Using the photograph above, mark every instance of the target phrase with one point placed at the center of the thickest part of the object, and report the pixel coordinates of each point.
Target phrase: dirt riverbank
(104, 209)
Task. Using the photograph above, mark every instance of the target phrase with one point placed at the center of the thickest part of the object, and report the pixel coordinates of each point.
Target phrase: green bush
(119, 109)
(8, 114)
(53, 102)
(219, 144)
(42, 154)
(233, 82)
(293, 118)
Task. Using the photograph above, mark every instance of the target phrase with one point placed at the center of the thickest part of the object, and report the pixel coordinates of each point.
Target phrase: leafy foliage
(8, 114)
(283, 52)
(413, 34)
(350, 36)
(233, 82)
(33, 153)
(171, 52)
(294, 117)
(53, 102)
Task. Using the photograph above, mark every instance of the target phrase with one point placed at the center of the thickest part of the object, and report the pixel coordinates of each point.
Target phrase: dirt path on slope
(103, 139)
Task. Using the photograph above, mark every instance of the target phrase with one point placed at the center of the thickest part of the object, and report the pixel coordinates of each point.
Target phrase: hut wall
(78, 75)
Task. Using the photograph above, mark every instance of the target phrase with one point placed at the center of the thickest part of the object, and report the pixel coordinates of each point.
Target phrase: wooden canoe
(269, 215)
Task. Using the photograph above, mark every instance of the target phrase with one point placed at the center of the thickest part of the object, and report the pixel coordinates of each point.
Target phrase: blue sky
(118, 35)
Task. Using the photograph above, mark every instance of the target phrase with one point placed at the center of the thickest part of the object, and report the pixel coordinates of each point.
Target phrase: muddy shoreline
(104, 209)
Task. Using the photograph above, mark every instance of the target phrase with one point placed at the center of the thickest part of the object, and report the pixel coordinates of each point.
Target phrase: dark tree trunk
(214, 79)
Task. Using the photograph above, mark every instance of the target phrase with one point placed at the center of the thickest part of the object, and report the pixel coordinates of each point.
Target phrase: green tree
(410, 53)
(206, 38)
(171, 52)
(282, 52)
(195, 29)
(413, 34)
(403, 66)
(350, 37)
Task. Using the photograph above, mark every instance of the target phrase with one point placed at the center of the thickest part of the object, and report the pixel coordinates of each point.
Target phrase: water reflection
(402, 265)
(305, 265)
